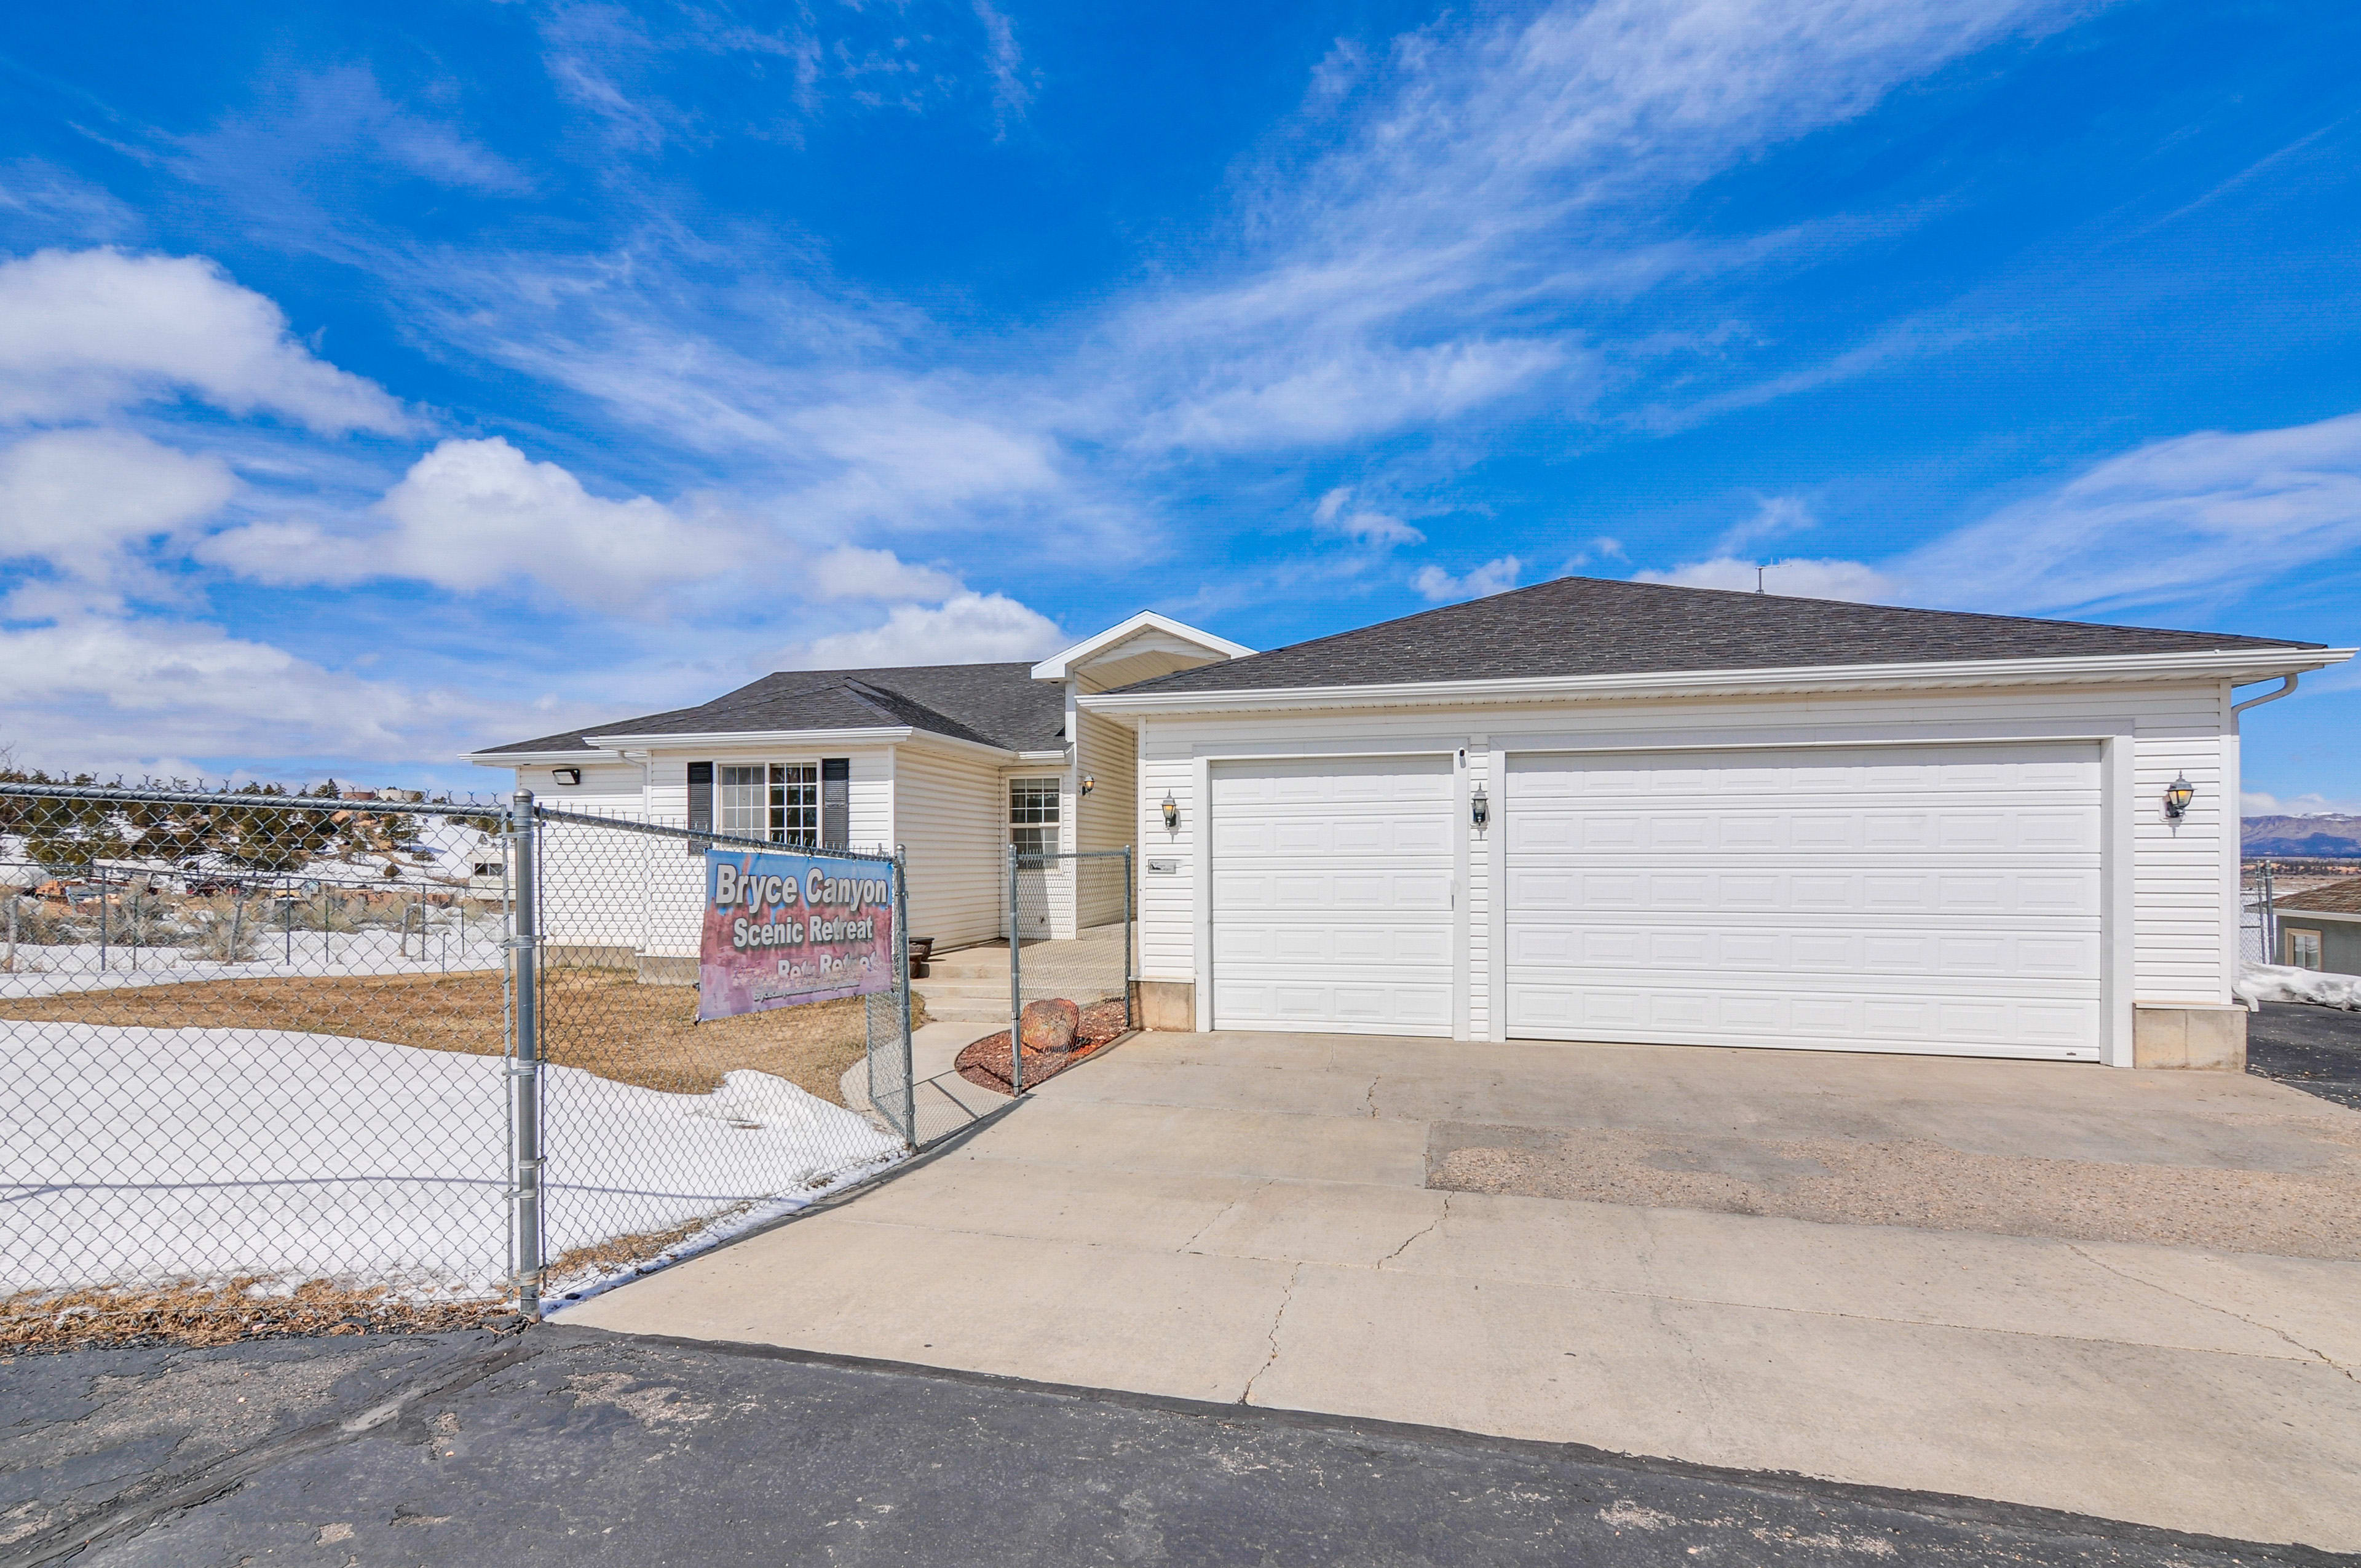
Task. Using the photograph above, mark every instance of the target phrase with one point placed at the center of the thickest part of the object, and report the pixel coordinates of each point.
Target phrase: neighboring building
(1708, 818)
(1586, 810)
(2320, 928)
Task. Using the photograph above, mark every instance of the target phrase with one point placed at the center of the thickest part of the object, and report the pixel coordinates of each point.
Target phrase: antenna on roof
(1758, 578)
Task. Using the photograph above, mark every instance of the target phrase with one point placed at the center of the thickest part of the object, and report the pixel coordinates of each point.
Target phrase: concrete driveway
(2132, 1295)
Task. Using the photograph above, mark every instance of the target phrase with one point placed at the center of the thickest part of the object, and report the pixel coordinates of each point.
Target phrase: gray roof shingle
(1594, 626)
(995, 704)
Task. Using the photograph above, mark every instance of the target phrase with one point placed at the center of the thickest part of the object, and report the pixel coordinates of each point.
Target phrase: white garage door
(1904, 899)
(1332, 905)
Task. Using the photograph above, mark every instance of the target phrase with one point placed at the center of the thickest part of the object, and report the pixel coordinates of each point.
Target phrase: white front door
(1930, 898)
(1333, 895)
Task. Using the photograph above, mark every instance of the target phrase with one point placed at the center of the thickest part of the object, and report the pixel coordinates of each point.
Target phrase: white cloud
(851, 572)
(2177, 523)
(968, 629)
(84, 332)
(1795, 579)
(106, 691)
(2194, 517)
(472, 515)
(1491, 577)
(79, 498)
(1360, 524)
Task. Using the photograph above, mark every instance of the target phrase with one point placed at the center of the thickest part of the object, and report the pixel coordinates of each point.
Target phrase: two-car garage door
(1891, 898)
(1926, 898)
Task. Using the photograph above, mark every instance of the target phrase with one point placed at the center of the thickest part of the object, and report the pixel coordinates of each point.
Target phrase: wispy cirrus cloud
(2174, 525)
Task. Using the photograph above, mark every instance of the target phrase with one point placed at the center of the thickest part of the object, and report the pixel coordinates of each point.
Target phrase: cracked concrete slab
(1148, 1221)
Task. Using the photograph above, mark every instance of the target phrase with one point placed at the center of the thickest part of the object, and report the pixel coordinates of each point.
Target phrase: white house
(1586, 810)
(954, 763)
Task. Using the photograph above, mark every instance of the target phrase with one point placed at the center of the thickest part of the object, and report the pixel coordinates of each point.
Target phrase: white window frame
(1036, 812)
(2303, 947)
(778, 801)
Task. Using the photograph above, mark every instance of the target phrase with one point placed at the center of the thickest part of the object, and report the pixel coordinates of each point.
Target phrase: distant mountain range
(2325, 837)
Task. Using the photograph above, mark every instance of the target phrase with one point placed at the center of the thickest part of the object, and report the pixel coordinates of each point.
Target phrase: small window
(2304, 949)
(1033, 815)
(740, 802)
(795, 804)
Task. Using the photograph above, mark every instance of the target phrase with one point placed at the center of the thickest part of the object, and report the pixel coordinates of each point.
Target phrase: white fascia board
(537, 758)
(2300, 916)
(1059, 665)
(2235, 664)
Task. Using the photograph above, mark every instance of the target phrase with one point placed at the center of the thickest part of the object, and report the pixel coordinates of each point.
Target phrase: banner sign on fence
(781, 929)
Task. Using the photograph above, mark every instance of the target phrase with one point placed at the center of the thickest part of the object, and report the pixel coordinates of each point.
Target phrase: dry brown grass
(224, 1311)
(601, 1020)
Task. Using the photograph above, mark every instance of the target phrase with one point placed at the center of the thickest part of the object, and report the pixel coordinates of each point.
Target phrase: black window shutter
(835, 802)
(700, 804)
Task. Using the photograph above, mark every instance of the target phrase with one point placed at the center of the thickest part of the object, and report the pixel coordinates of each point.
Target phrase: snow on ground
(85, 966)
(2278, 982)
(131, 1154)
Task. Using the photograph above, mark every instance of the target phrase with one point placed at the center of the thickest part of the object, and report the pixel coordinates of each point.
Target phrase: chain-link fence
(1071, 924)
(338, 1059)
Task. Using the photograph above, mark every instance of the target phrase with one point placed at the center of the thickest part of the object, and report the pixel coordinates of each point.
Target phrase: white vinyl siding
(953, 822)
(1940, 899)
(1331, 894)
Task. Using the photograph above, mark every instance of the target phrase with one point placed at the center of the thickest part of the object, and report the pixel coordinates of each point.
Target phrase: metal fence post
(1016, 988)
(1130, 1013)
(902, 957)
(525, 1065)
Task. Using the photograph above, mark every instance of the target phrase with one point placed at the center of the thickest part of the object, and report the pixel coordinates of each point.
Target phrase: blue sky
(380, 381)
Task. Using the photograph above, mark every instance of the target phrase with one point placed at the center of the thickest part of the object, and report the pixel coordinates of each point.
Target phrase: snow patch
(2258, 983)
(135, 1155)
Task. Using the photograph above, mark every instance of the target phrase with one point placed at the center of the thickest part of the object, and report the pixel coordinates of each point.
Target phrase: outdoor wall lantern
(1171, 812)
(1479, 810)
(2177, 797)
(1089, 784)
(566, 775)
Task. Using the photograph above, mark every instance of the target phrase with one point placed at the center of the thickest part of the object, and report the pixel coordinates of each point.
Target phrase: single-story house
(952, 763)
(2320, 928)
(1586, 810)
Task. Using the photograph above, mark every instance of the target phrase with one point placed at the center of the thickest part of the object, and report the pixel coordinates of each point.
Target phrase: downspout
(2287, 688)
(2268, 915)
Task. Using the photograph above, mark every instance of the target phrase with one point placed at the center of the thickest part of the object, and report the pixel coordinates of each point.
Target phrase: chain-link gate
(1070, 923)
(312, 1059)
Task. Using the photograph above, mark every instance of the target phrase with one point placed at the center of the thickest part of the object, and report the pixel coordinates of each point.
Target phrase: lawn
(601, 1020)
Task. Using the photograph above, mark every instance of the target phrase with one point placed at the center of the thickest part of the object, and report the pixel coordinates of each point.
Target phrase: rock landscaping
(1057, 1034)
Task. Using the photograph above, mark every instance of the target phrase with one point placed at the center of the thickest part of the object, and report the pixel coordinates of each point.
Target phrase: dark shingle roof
(1591, 626)
(997, 704)
(2342, 896)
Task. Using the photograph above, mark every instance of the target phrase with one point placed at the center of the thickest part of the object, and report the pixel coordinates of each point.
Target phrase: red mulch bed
(985, 1063)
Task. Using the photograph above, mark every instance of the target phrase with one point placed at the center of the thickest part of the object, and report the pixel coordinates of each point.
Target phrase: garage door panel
(1924, 899)
(1331, 894)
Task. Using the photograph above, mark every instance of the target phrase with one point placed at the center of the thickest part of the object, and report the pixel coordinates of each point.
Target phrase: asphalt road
(561, 1446)
(2317, 1050)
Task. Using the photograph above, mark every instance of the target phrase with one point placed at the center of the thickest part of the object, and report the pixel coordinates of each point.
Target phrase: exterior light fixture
(1479, 810)
(566, 775)
(1171, 812)
(1089, 784)
(2177, 797)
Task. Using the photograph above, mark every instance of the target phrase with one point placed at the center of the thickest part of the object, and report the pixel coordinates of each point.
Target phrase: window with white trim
(779, 801)
(1033, 815)
(2304, 949)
